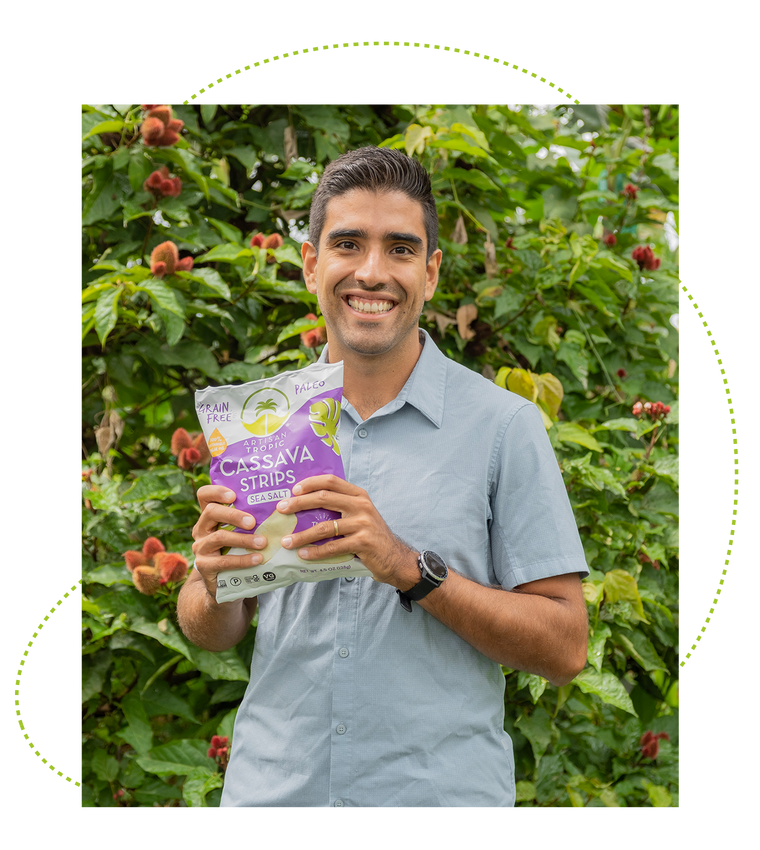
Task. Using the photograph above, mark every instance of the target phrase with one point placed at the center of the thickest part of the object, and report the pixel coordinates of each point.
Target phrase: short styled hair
(375, 170)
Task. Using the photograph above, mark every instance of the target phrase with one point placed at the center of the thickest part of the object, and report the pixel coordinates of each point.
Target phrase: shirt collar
(425, 388)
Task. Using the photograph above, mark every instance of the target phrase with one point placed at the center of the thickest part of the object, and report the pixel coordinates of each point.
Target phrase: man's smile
(375, 306)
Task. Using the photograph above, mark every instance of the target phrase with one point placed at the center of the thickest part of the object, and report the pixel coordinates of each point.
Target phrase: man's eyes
(346, 245)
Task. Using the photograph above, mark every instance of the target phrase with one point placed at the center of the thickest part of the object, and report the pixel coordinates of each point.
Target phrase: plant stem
(162, 669)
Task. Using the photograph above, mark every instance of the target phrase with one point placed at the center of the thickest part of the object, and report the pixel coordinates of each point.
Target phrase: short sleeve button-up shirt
(352, 700)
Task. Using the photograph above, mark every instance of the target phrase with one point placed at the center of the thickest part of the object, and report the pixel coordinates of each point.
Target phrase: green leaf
(594, 299)
(620, 586)
(162, 296)
(298, 327)
(596, 643)
(105, 767)
(577, 360)
(537, 728)
(572, 432)
(659, 795)
(104, 127)
(210, 278)
(140, 733)
(156, 486)
(199, 783)
(606, 686)
(94, 669)
(179, 758)
(208, 111)
(227, 253)
(107, 312)
(288, 254)
(637, 645)
(535, 684)
(667, 467)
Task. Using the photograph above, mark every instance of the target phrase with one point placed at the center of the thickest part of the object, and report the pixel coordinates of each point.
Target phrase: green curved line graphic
(733, 521)
(19, 678)
(445, 49)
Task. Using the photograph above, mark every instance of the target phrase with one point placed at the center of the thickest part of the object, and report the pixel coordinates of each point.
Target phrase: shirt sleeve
(533, 534)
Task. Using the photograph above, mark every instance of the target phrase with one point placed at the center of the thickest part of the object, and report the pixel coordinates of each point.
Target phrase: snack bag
(264, 437)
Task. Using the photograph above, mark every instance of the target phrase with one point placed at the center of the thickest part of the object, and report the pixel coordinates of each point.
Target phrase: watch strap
(420, 590)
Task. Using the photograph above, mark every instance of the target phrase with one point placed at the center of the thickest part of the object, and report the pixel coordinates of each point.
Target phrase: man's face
(371, 276)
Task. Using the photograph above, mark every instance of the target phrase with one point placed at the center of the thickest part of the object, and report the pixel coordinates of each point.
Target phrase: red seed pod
(152, 131)
(146, 580)
(162, 112)
(636, 409)
(257, 240)
(163, 259)
(152, 547)
(212, 752)
(171, 566)
(621, 373)
(274, 240)
(188, 458)
(216, 741)
(645, 258)
(180, 440)
(630, 191)
(133, 559)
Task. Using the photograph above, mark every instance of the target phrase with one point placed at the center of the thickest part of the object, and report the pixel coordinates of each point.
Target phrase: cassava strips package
(264, 437)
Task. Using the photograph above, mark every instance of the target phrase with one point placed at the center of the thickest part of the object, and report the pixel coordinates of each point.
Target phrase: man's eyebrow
(358, 233)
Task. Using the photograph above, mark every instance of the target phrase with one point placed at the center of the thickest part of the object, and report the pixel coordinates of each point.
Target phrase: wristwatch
(433, 570)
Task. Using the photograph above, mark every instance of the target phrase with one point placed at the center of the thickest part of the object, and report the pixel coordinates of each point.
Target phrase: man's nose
(372, 268)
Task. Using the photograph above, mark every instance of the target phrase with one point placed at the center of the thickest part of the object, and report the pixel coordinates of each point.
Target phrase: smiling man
(388, 691)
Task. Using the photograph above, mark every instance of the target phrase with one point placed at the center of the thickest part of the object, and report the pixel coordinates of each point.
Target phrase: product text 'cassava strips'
(264, 437)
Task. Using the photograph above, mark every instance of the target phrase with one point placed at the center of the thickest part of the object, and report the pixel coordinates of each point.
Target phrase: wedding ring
(335, 526)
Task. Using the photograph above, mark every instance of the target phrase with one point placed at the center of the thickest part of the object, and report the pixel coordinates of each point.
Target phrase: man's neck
(370, 382)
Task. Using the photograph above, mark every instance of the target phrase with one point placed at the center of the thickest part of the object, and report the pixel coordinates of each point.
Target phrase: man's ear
(309, 257)
(431, 273)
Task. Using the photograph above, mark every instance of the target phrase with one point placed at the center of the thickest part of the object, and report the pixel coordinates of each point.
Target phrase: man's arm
(539, 627)
(207, 623)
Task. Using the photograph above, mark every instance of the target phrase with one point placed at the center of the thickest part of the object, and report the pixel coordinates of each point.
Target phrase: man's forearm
(208, 624)
(526, 631)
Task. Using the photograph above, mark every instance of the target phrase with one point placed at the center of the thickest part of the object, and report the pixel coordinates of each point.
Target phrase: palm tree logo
(269, 412)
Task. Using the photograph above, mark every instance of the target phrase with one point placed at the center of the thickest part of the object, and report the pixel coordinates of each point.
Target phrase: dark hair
(376, 170)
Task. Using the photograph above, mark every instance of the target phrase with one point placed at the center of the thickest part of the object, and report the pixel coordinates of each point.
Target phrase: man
(388, 692)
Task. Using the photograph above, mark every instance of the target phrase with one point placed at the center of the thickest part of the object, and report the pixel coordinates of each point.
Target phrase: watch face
(435, 565)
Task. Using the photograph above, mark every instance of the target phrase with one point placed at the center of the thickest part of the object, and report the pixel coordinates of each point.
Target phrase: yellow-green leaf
(414, 139)
(521, 381)
(572, 432)
(620, 586)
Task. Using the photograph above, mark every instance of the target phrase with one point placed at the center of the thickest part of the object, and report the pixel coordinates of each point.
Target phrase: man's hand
(363, 531)
(211, 535)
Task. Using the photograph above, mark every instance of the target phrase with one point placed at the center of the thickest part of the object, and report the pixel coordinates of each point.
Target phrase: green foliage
(534, 293)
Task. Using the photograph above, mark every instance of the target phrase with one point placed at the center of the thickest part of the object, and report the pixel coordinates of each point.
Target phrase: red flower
(630, 191)
(274, 240)
(314, 337)
(218, 747)
(190, 450)
(159, 129)
(645, 258)
(164, 259)
(654, 410)
(153, 566)
(160, 184)
(610, 239)
(650, 743)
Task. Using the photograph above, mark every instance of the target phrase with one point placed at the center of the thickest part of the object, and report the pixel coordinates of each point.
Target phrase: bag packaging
(264, 437)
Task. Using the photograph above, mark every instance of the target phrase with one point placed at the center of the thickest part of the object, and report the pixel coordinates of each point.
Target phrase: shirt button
(343, 652)
(350, 578)
(340, 729)
(363, 433)
(338, 804)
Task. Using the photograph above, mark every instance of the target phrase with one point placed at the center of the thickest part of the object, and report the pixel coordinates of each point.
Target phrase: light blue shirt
(353, 701)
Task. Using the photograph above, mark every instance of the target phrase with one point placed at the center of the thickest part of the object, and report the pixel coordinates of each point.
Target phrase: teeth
(370, 306)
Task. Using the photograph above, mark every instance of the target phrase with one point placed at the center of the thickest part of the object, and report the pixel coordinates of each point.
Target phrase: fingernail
(248, 521)
(286, 542)
(281, 506)
(296, 489)
(303, 553)
(229, 496)
(255, 559)
(259, 541)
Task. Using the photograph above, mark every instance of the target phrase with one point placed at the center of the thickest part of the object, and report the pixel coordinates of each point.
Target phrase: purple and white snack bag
(264, 437)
